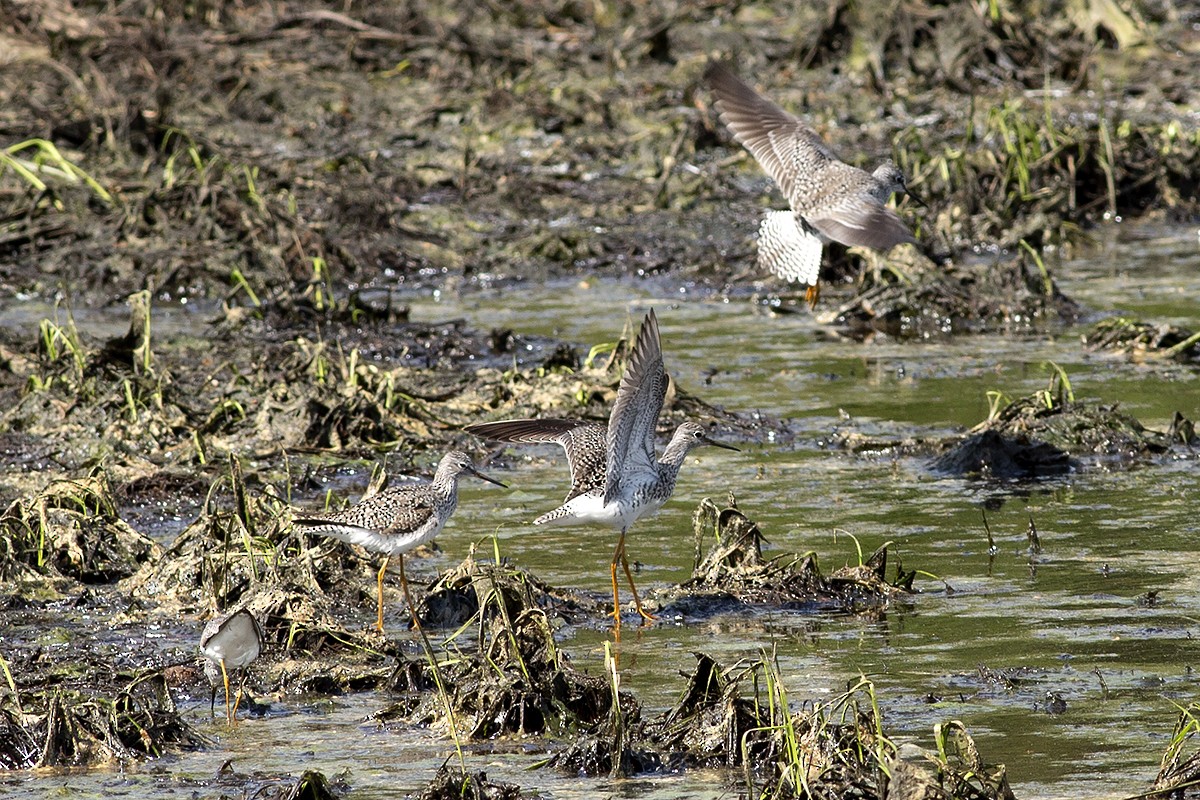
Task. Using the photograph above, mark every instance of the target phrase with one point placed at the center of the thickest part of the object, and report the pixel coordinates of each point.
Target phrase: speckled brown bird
(615, 476)
(830, 200)
(398, 519)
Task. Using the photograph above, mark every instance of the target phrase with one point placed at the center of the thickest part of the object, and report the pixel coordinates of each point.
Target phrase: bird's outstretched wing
(634, 415)
(585, 444)
(775, 138)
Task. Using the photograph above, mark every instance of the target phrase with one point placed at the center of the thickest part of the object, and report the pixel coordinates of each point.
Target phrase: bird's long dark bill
(916, 198)
(483, 477)
(722, 445)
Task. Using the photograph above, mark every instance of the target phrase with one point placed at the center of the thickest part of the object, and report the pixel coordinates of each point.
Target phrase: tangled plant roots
(63, 728)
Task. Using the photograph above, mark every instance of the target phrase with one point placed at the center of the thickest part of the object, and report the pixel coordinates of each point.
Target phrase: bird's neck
(672, 458)
(445, 484)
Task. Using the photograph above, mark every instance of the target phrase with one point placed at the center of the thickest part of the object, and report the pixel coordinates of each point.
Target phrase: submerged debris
(1179, 771)
(451, 783)
(310, 785)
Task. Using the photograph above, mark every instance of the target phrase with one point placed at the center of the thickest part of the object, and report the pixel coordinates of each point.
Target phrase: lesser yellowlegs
(398, 519)
(830, 200)
(229, 643)
(615, 477)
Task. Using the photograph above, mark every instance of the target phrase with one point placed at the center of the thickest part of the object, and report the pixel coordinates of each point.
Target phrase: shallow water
(1067, 620)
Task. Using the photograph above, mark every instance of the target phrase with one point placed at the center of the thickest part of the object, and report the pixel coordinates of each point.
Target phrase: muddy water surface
(1062, 663)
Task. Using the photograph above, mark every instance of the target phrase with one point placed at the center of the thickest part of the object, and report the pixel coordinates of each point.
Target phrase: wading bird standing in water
(229, 643)
(398, 519)
(615, 476)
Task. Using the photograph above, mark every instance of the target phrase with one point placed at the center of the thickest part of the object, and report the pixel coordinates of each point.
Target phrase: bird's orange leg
(383, 569)
(238, 699)
(811, 294)
(637, 601)
(229, 718)
(618, 555)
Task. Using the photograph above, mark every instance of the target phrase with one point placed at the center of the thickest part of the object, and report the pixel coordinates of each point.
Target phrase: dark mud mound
(1143, 340)
(1050, 433)
(477, 589)
(733, 572)
(1046, 434)
(53, 721)
(739, 718)
(69, 530)
(923, 300)
(714, 723)
(513, 679)
(1001, 454)
(228, 554)
(452, 783)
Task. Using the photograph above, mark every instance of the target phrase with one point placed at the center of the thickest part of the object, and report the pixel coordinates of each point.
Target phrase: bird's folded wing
(864, 222)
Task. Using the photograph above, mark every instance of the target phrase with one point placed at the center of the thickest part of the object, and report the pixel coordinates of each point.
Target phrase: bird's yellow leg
(811, 294)
(618, 555)
(228, 711)
(236, 701)
(637, 601)
(383, 569)
(412, 608)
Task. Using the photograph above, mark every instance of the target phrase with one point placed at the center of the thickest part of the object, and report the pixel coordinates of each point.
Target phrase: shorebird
(615, 477)
(229, 643)
(398, 519)
(830, 200)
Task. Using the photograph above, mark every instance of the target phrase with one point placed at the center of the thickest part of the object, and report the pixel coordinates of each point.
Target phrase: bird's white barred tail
(373, 540)
(786, 250)
(560, 514)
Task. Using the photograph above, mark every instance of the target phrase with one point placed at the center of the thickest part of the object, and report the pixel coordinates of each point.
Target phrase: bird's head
(457, 462)
(893, 178)
(693, 434)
